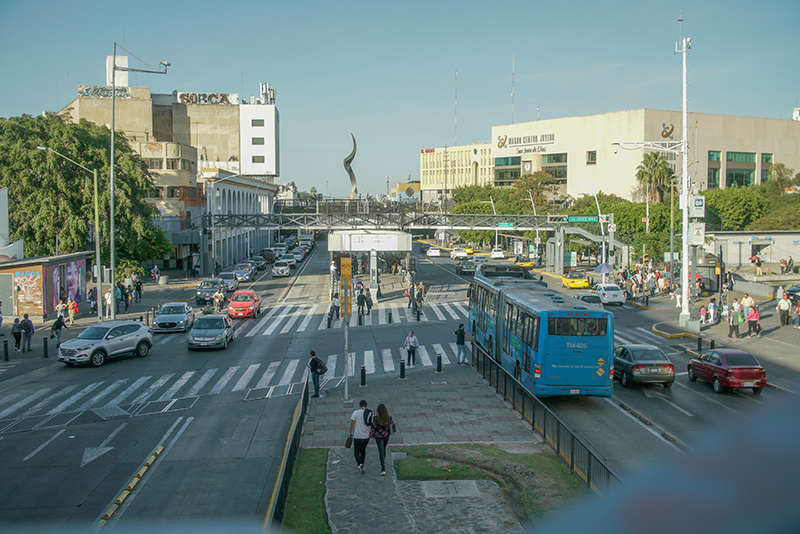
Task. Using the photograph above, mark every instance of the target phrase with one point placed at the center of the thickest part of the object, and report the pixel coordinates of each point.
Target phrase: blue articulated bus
(551, 345)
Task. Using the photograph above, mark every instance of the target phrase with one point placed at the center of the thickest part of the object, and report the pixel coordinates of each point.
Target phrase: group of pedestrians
(364, 424)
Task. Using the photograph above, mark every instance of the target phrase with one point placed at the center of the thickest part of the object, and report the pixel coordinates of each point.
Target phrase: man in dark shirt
(461, 349)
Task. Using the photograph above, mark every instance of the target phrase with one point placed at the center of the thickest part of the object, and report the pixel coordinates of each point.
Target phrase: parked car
(173, 317)
(793, 293)
(575, 280)
(645, 364)
(458, 254)
(434, 252)
(281, 268)
(106, 340)
(268, 254)
(210, 331)
(498, 254)
(465, 267)
(245, 272)
(230, 281)
(299, 254)
(244, 303)
(261, 264)
(609, 294)
(290, 259)
(589, 298)
(728, 368)
(206, 290)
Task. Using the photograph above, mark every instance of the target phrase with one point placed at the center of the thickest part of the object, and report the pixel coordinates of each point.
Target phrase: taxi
(244, 303)
(575, 280)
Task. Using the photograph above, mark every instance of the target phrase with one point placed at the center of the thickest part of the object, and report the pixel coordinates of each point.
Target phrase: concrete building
(443, 169)
(725, 151)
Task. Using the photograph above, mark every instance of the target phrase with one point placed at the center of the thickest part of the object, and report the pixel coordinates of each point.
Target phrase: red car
(728, 368)
(244, 303)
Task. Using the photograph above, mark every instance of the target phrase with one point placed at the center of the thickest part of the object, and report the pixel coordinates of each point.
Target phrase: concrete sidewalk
(455, 406)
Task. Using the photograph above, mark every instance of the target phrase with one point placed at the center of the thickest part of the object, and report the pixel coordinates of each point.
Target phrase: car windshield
(610, 288)
(575, 275)
(207, 284)
(243, 267)
(648, 355)
(242, 297)
(94, 332)
(281, 264)
(287, 256)
(258, 260)
(741, 359)
(170, 310)
(593, 299)
(209, 324)
(227, 276)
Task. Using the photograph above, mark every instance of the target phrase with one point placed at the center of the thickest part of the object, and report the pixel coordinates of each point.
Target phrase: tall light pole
(112, 248)
(495, 215)
(602, 232)
(98, 263)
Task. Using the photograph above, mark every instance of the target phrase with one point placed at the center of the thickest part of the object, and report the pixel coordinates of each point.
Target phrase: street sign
(505, 225)
(537, 241)
(583, 218)
(612, 227)
(645, 219)
(602, 218)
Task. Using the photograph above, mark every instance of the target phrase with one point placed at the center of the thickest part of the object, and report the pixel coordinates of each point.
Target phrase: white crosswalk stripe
(24, 402)
(309, 316)
(293, 319)
(149, 392)
(388, 361)
(288, 373)
(74, 398)
(255, 330)
(167, 395)
(266, 378)
(224, 379)
(271, 328)
(116, 401)
(438, 349)
(246, 377)
(369, 361)
(195, 389)
(439, 314)
(48, 400)
(462, 309)
(422, 352)
(103, 394)
(323, 324)
(450, 311)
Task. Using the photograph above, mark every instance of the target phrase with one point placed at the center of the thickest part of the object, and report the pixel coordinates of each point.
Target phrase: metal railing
(569, 447)
(281, 491)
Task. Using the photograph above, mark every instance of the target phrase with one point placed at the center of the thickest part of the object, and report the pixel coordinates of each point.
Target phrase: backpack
(368, 417)
(321, 367)
(26, 326)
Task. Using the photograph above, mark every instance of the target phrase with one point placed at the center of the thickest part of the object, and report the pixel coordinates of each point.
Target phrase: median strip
(127, 491)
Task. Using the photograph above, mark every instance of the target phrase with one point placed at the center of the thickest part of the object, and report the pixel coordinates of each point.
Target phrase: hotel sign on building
(526, 144)
(208, 98)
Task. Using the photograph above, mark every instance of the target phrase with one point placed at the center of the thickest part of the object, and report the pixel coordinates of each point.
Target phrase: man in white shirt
(359, 429)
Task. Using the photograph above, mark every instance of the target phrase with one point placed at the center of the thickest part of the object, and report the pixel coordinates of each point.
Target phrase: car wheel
(667, 385)
(69, 364)
(624, 379)
(756, 391)
(692, 376)
(718, 386)
(98, 358)
(142, 349)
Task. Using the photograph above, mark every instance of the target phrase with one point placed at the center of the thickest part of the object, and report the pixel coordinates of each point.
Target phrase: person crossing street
(411, 343)
(461, 349)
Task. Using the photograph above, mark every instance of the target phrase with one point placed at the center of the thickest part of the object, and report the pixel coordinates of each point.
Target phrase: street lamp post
(98, 264)
(112, 247)
(495, 214)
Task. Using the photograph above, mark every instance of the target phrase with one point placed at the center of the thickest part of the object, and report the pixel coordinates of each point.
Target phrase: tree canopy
(50, 197)
(655, 175)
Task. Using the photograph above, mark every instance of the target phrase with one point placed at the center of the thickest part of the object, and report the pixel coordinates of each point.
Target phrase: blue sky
(386, 72)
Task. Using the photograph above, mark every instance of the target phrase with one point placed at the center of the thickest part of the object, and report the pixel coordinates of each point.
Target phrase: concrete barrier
(163, 280)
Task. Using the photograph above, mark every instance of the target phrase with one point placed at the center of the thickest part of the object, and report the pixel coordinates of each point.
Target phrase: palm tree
(655, 172)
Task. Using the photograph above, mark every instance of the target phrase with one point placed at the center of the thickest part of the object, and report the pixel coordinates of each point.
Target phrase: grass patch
(305, 505)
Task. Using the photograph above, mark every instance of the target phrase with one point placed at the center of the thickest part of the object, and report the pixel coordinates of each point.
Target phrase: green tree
(532, 186)
(51, 197)
(734, 208)
(654, 171)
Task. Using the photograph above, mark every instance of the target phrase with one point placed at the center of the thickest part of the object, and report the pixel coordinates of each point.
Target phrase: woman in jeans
(382, 427)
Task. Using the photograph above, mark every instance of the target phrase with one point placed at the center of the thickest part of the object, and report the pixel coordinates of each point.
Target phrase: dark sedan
(206, 290)
(465, 267)
(644, 364)
(793, 293)
(728, 368)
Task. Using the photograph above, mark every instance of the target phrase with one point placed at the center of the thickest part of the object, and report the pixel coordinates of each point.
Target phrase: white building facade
(443, 169)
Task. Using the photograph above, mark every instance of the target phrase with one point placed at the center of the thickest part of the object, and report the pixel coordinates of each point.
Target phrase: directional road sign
(583, 218)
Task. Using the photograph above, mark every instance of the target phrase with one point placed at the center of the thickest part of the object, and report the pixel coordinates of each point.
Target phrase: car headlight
(219, 337)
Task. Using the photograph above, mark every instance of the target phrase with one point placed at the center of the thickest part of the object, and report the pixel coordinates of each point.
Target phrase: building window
(554, 158)
(258, 159)
(507, 162)
(174, 164)
(713, 155)
(739, 178)
(258, 140)
(256, 122)
(153, 163)
(766, 158)
(741, 157)
(713, 178)
(764, 175)
(591, 157)
(505, 177)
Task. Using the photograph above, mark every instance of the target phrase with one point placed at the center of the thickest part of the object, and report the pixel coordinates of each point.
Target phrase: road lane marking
(369, 362)
(245, 379)
(266, 378)
(224, 379)
(278, 320)
(388, 362)
(167, 395)
(24, 402)
(286, 378)
(253, 331)
(293, 319)
(200, 383)
(128, 392)
(43, 445)
(75, 398)
(110, 389)
(308, 318)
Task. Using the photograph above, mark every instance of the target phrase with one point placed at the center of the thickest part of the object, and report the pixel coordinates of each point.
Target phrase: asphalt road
(73, 438)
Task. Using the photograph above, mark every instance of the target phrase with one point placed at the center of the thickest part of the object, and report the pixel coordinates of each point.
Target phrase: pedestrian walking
(410, 294)
(360, 422)
(118, 295)
(734, 318)
(92, 296)
(16, 331)
(27, 332)
(137, 290)
(753, 325)
(72, 307)
(461, 348)
(128, 295)
(361, 302)
(336, 305)
(790, 266)
(108, 299)
(759, 271)
(55, 329)
(784, 309)
(334, 273)
(318, 368)
(712, 311)
(747, 303)
(382, 427)
(368, 295)
(779, 293)
(61, 307)
(411, 343)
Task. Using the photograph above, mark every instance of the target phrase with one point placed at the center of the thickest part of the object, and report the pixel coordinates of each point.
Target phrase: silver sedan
(173, 317)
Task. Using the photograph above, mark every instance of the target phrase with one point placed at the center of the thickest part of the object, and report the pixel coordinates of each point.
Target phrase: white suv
(458, 254)
(497, 254)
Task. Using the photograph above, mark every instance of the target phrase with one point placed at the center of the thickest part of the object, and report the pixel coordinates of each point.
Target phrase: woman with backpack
(382, 426)
(317, 368)
(55, 329)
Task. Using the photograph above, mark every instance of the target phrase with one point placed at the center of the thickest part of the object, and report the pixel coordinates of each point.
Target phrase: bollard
(438, 363)
(5, 350)
(359, 319)
(699, 344)
(647, 300)
(363, 376)
(141, 319)
(390, 317)
(44, 344)
(402, 369)
(418, 312)
(712, 344)
(330, 317)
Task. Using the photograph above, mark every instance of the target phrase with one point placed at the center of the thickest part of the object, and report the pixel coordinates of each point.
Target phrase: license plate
(202, 343)
(574, 392)
(749, 384)
(655, 371)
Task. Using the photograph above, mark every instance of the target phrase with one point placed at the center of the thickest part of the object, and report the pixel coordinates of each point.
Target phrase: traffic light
(646, 258)
(557, 218)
